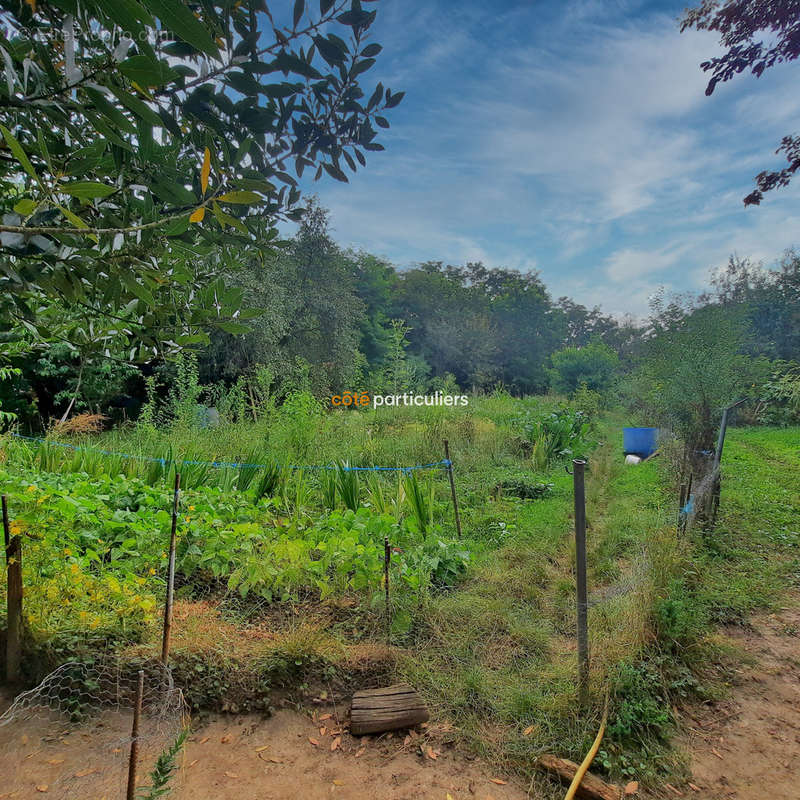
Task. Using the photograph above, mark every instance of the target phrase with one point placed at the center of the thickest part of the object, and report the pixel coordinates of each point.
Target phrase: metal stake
(580, 568)
(452, 487)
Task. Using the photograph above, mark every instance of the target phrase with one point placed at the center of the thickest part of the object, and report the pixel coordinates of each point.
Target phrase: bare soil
(289, 756)
(747, 747)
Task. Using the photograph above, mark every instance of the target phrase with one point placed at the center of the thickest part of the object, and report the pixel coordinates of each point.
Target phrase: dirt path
(748, 746)
(289, 756)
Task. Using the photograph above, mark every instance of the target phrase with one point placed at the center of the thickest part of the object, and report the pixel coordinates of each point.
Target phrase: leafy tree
(141, 136)
(739, 23)
(693, 367)
(592, 365)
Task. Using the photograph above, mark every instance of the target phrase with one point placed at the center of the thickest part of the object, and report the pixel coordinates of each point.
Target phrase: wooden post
(134, 756)
(578, 465)
(171, 573)
(14, 599)
(452, 487)
(387, 555)
(6, 530)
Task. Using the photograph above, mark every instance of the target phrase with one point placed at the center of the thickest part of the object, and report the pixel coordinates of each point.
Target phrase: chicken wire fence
(702, 503)
(70, 736)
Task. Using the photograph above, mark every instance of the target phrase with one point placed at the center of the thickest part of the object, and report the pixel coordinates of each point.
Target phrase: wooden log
(591, 788)
(387, 709)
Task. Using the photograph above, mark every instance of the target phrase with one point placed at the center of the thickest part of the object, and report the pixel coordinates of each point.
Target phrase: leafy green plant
(420, 503)
(559, 434)
(329, 480)
(248, 471)
(271, 481)
(348, 486)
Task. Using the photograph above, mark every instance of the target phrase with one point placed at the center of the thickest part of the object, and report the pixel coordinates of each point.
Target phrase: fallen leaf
(322, 730)
(275, 760)
(673, 789)
(231, 775)
(226, 738)
(498, 781)
(84, 772)
(263, 747)
(324, 717)
(335, 743)
(406, 741)
(337, 782)
(360, 752)
(55, 760)
(432, 753)
(632, 787)
(694, 787)
(529, 730)
(194, 762)
(313, 741)
(42, 787)
(717, 753)
(204, 740)
(117, 750)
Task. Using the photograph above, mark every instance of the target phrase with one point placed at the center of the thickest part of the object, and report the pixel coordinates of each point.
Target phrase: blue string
(688, 508)
(446, 463)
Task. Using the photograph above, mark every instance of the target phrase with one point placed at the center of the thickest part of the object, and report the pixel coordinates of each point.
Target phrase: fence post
(171, 572)
(134, 756)
(578, 465)
(452, 487)
(14, 601)
(387, 555)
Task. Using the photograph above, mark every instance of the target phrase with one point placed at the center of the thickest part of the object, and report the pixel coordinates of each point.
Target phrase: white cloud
(583, 144)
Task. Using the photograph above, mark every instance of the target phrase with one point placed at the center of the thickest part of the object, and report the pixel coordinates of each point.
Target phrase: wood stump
(378, 710)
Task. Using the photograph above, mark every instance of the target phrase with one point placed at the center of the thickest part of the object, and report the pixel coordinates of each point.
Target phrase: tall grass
(348, 486)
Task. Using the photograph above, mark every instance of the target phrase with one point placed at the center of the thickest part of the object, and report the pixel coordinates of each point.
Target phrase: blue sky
(573, 138)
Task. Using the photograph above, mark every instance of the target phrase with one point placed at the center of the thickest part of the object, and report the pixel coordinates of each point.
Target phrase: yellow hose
(582, 769)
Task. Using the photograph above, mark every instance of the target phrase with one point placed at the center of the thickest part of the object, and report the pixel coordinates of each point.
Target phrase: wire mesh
(70, 736)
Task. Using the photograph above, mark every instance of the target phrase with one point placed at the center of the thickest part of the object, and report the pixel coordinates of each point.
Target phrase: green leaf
(87, 190)
(76, 221)
(177, 18)
(146, 72)
(335, 172)
(227, 219)
(138, 107)
(128, 14)
(371, 50)
(299, 7)
(19, 153)
(233, 327)
(393, 99)
(241, 197)
(25, 206)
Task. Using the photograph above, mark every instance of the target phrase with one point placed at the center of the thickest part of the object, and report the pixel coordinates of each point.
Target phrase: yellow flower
(16, 528)
(68, 552)
(152, 571)
(191, 508)
(31, 488)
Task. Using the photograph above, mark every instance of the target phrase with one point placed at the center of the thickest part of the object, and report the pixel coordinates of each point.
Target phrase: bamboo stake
(14, 598)
(171, 573)
(134, 756)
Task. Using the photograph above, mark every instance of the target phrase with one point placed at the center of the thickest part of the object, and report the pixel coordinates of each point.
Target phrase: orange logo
(355, 399)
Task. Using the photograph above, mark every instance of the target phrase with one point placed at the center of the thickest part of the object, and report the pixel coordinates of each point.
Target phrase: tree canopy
(139, 139)
(739, 24)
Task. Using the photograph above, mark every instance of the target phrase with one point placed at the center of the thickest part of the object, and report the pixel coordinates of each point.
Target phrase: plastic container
(642, 442)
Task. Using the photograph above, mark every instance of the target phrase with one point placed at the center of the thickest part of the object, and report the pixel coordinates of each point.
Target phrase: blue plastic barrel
(641, 442)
